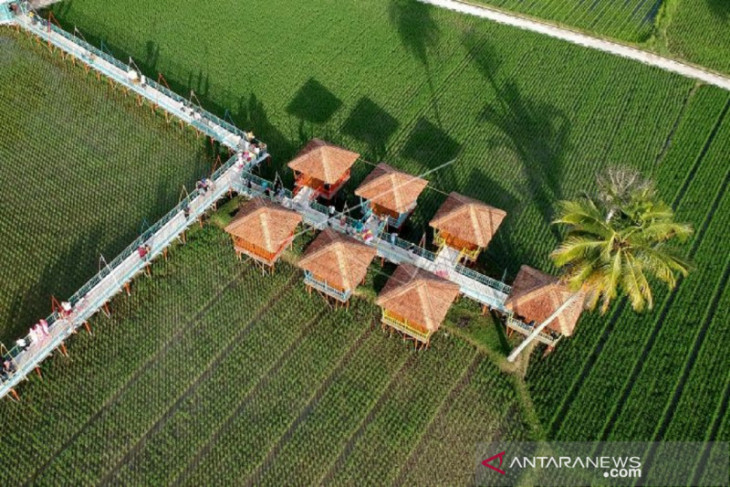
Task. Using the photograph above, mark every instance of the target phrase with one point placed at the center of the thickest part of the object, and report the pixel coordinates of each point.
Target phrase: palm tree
(614, 243)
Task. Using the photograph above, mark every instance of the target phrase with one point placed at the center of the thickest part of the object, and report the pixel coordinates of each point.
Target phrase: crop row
(162, 383)
(699, 31)
(63, 399)
(78, 189)
(698, 408)
(260, 421)
(484, 409)
(375, 452)
(553, 381)
(631, 20)
(681, 325)
(633, 337)
(323, 430)
(142, 333)
(177, 440)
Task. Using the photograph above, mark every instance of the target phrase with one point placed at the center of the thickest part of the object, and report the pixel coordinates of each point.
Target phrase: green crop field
(629, 20)
(697, 31)
(83, 168)
(700, 32)
(212, 372)
(221, 373)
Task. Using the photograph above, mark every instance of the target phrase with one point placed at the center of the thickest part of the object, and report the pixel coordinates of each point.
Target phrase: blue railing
(326, 288)
(487, 281)
(96, 52)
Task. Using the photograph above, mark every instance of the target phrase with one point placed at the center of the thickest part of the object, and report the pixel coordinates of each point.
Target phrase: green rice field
(84, 169)
(211, 373)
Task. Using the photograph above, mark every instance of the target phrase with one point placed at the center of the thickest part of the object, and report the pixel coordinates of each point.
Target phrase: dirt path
(585, 40)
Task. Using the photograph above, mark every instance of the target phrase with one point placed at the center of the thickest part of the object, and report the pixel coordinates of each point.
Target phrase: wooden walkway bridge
(233, 176)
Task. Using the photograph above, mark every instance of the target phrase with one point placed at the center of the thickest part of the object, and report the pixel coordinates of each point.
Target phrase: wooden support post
(139, 100)
(63, 349)
(147, 270)
(547, 351)
(106, 309)
(164, 253)
(200, 221)
(126, 289)
(484, 309)
(38, 372)
(15, 397)
(98, 76)
(88, 328)
(382, 262)
(183, 237)
(167, 117)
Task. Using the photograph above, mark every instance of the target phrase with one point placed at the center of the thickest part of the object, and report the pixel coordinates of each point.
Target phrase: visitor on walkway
(144, 252)
(331, 210)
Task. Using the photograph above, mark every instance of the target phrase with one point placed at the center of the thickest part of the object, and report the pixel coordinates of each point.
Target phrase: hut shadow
(313, 104)
(720, 8)
(371, 124)
(380, 275)
(419, 33)
(432, 147)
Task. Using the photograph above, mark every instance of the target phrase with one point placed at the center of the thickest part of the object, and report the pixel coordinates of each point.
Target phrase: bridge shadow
(61, 277)
(419, 33)
(371, 124)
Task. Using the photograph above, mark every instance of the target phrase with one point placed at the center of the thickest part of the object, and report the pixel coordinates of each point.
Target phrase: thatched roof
(536, 295)
(340, 260)
(323, 161)
(391, 189)
(468, 219)
(264, 224)
(418, 296)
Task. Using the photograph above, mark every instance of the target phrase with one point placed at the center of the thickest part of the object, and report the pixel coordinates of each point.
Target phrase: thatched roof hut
(466, 224)
(323, 167)
(337, 263)
(536, 295)
(262, 230)
(391, 192)
(415, 302)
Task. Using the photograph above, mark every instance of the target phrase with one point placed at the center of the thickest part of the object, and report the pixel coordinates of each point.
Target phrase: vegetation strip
(193, 387)
(133, 378)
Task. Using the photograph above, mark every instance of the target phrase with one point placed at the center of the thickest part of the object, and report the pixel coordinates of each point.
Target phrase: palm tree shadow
(538, 133)
(419, 33)
(720, 8)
